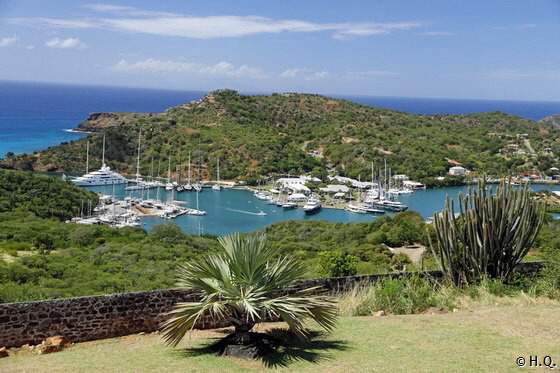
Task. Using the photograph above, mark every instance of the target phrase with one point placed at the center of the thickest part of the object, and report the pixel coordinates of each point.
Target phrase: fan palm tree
(245, 285)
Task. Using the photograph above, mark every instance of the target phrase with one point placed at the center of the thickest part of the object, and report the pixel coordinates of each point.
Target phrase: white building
(297, 197)
(335, 189)
(353, 182)
(413, 184)
(457, 171)
(401, 177)
(295, 184)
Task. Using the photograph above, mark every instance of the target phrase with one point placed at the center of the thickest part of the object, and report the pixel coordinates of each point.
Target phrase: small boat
(386, 204)
(196, 212)
(312, 206)
(289, 206)
(356, 209)
(261, 213)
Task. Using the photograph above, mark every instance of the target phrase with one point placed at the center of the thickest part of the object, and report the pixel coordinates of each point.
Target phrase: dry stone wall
(105, 316)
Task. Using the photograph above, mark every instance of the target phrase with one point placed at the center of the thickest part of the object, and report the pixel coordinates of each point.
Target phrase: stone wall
(105, 316)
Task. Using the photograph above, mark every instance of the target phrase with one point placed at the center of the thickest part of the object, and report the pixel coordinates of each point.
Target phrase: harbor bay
(237, 210)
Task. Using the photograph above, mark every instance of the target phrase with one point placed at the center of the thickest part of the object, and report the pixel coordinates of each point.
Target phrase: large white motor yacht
(103, 176)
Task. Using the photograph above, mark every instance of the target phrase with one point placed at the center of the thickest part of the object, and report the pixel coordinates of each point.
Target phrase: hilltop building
(457, 171)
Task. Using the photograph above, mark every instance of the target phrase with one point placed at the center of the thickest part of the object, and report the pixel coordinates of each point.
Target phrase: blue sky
(447, 48)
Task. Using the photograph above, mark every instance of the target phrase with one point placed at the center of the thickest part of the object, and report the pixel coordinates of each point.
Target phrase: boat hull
(312, 211)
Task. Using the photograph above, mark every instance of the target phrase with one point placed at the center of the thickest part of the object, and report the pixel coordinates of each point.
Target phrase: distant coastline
(34, 116)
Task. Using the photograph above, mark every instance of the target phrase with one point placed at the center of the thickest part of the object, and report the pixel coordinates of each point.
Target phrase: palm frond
(244, 283)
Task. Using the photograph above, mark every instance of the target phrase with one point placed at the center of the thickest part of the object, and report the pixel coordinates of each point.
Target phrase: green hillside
(260, 135)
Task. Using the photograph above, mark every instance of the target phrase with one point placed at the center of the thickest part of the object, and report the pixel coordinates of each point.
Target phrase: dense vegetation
(42, 195)
(260, 135)
(44, 258)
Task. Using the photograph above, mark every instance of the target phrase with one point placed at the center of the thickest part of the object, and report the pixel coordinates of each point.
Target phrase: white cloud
(512, 74)
(435, 33)
(51, 22)
(207, 27)
(318, 75)
(127, 10)
(290, 73)
(522, 26)
(368, 74)
(222, 68)
(8, 41)
(30, 47)
(65, 43)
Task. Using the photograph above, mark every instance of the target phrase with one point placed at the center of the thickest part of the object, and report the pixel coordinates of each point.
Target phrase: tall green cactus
(489, 236)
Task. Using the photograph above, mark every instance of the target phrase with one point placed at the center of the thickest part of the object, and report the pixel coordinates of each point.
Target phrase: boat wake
(261, 213)
(76, 131)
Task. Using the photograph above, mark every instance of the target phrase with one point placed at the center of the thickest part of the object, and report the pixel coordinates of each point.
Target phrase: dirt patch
(382, 151)
(346, 140)
(414, 252)
(453, 147)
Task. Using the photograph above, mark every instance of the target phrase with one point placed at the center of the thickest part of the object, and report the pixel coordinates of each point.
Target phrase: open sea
(34, 116)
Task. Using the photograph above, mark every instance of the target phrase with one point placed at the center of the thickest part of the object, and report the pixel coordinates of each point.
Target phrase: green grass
(483, 338)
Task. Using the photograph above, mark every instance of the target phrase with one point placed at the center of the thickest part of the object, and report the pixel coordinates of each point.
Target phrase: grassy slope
(487, 338)
(263, 134)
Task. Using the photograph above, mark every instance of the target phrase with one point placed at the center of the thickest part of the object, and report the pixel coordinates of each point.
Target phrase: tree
(338, 263)
(490, 236)
(168, 232)
(243, 284)
(44, 243)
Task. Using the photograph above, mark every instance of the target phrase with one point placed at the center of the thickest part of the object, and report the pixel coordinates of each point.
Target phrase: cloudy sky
(499, 49)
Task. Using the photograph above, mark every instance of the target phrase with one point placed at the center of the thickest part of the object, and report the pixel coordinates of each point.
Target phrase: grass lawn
(485, 338)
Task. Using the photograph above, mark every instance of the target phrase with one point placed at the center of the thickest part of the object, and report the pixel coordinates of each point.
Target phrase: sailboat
(198, 185)
(139, 182)
(196, 211)
(217, 185)
(169, 185)
(104, 176)
(188, 186)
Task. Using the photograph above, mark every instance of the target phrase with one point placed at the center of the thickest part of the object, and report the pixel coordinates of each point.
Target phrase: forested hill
(259, 135)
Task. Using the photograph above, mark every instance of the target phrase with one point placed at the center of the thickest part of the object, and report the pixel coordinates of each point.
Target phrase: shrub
(338, 264)
(84, 235)
(168, 233)
(406, 295)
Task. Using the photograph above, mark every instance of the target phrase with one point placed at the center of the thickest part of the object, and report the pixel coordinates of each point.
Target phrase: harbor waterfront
(238, 210)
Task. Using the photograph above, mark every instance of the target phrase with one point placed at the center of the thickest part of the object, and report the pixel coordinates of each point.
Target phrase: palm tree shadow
(288, 349)
(291, 349)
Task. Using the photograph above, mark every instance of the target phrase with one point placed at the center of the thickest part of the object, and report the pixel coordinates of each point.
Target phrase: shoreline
(70, 130)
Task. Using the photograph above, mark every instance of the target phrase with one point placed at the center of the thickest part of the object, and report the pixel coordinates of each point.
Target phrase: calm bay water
(232, 210)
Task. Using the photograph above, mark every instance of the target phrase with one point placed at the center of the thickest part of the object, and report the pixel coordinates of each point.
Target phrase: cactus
(489, 236)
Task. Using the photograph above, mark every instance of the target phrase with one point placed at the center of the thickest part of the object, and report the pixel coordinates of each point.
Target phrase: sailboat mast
(385, 178)
(138, 159)
(152, 169)
(87, 157)
(218, 170)
(103, 157)
(169, 169)
(189, 168)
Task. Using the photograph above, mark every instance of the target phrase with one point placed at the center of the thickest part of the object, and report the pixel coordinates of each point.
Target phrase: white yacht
(103, 176)
(312, 206)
